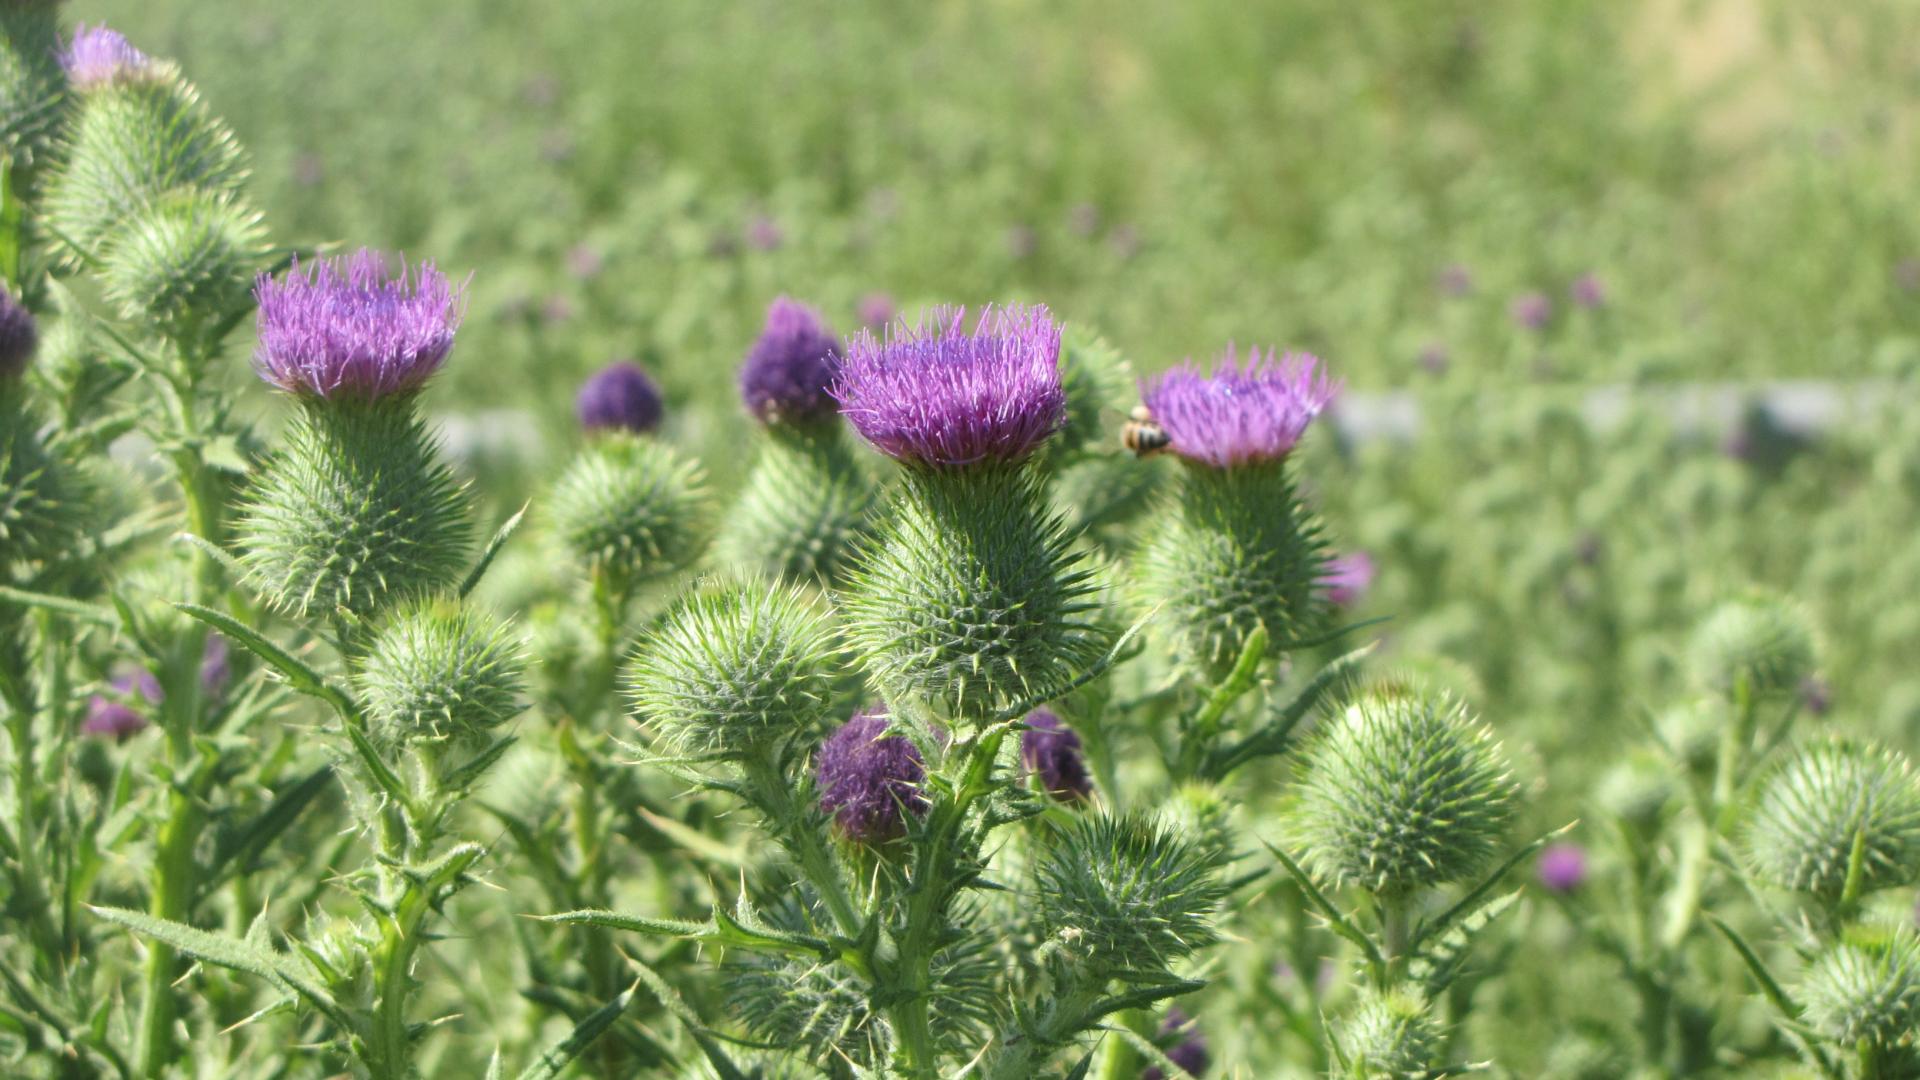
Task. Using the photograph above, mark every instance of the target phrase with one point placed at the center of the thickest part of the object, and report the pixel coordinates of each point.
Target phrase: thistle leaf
(226, 952)
(298, 675)
(553, 1061)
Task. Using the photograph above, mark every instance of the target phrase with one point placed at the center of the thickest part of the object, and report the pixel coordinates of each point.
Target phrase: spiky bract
(802, 509)
(1128, 894)
(43, 497)
(1763, 642)
(1239, 414)
(437, 671)
(969, 595)
(355, 328)
(355, 511)
(788, 375)
(1401, 793)
(1804, 824)
(19, 335)
(632, 510)
(130, 143)
(1390, 1036)
(734, 667)
(31, 80)
(1866, 989)
(1235, 550)
(188, 258)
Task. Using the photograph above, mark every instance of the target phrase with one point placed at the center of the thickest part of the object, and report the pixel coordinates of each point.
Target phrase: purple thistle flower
(876, 310)
(867, 775)
(619, 395)
(110, 719)
(789, 372)
(1906, 274)
(19, 336)
(1021, 242)
(1588, 291)
(98, 56)
(1563, 867)
(1083, 219)
(764, 233)
(346, 328)
(1190, 1053)
(1455, 280)
(1125, 241)
(1434, 359)
(215, 668)
(1241, 413)
(309, 169)
(937, 395)
(1345, 578)
(1051, 751)
(1531, 310)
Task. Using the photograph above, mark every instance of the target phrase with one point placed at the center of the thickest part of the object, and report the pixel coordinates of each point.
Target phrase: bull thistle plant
(1002, 715)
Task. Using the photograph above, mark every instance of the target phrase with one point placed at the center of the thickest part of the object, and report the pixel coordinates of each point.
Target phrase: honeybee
(1141, 435)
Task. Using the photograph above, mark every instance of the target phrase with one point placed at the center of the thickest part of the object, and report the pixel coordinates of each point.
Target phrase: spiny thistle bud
(351, 329)
(1760, 641)
(940, 397)
(788, 375)
(19, 335)
(1691, 731)
(1185, 1046)
(437, 679)
(1402, 793)
(188, 258)
(1204, 815)
(1866, 990)
(869, 779)
(30, 78)
(1240, 414)
(1344, 579)
(1390, 1036)
(734, 667)
(43, 498)
(802, 509)
(1635, 792)
(1127, 894)
(1815, 806)
(632, 510)
(619, 397)
(1051, 752)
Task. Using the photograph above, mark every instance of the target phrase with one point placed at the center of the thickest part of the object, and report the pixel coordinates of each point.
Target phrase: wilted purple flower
(788, 374)
(1563, 867)
(1455, 280)
(18, 335)
(1588, 291)
(1434, 358)
(938, 395)
(764, 233)
(1190, 1053)
(1021, 242)
(585, 262)
(866, 775)
(346, 328)
(1345, 578)
(1240, 413)
(1531, 310)
(1816, 696)
(620, 395)
(876, 310)
(98, 56)
(1051, 751)
(1083, 219)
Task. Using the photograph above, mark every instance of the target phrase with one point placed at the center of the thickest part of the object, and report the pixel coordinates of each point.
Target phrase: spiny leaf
(1448, 918)
(297, 673)
(553, 1061)
(493, 548)
(227, 952)
(1271, 737)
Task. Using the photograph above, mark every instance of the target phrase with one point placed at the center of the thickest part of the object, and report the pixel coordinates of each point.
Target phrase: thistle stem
(816, 865)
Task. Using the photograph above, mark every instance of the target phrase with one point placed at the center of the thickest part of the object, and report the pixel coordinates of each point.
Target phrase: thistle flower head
(1817, 805)
(19, 335)
(1866, 989)
(1390, 1035)
(1051, 751)
(1128, 893)
(1760, 641)
(869, 778)
(735, 666)
(1401, 793)
(1531, 311)
(788, 374)
(619, 397)
(1241, 413)
(435, 672)
(1563, 867)
(1588, 291)
(1185, 1046)
(100, 56)
(351, 328)
(939, 395)
(632, 510)
(1345, 578)
(113, 716)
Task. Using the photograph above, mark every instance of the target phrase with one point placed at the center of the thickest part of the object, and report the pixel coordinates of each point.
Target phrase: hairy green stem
(816, 863)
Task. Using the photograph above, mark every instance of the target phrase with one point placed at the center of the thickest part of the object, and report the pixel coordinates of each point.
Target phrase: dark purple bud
(1563, 867)
(868, 777)
(110, 719)
(19, 336)
(1188, 1047)
(620, 396)
(1345, 578)
(1239, 414)
(788, 374)
(1051, 751)
(764, 233)
(349, 328)
(1588, 291)
(1531, 311)
(876, 310)
(1454, 280)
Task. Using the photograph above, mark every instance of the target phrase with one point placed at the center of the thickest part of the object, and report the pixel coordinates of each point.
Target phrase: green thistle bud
(131, 142)
(188, 258)
(43, 498)
(1692, 732)
(969, 595)
(436, 679)
(1236, 550)
(340, 952)
(1816, 806)
(631, 510)
(1204, 814)
(1128, 894)
(802, 509)
(356, 511)
(736, 666)
(31, 83)
(1760, 641)
(1401, 793)
(1635, 792)
(1390, 1036)
(1865, 990)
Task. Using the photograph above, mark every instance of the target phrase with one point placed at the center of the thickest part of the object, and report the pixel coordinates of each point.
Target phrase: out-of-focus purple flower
(1588, 548)
(556, 309)
(1345, 578)
(1588, 291)
(1021, 242)
(1906, 274)
(347, 328)
(309, 169)
(1434, 358)
(556, 147)
(620, 395)
(876, 310)
(1051, 751)
(788, 374)
(868, 777)
(764, 233)
(1083, 219)
(1563, 867)
(1531, 310)
(110, 719)
(1739, 443)
(1241, 413)
(1454, 280)
(541, 90)
(937, 394)
(1125, 241)
(1816, 695)
(883, 204)
(19, 336)
(216, 670)
(98, 56)
(585, 262)
(1190, 1052)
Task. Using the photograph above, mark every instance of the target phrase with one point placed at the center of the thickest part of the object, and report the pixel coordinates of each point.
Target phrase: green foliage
(631, 509)
(1128, 895)
(1829, 798)
(43, 498)
(802, 508)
